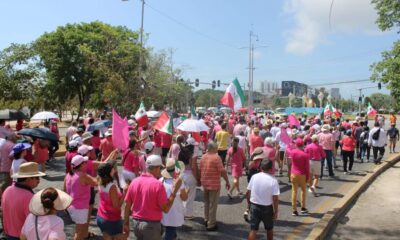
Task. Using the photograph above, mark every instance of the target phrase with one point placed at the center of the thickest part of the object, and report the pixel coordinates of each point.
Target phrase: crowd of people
(153, 191)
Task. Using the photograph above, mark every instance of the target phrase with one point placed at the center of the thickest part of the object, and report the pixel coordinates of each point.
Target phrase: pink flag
(293, 121)
(285, 137)
(120, 130)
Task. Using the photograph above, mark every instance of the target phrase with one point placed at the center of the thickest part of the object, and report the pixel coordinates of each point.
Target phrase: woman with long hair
(235, 158)
(111, 199)
(77, 183)
(42, 221)
(130, 162)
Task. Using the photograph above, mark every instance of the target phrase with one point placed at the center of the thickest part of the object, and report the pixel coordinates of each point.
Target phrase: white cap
(78, 160)
(84, 149)
(73, 143)
(154, 160)
(149, 146)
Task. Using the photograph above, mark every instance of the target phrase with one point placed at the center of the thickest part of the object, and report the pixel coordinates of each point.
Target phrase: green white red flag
(370, 110)
(234, 96)
(329, 110)
(164, 123)
(141, 115)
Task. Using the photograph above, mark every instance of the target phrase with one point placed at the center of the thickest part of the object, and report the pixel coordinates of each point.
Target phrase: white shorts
(78, 216)
(315, 167)
(128, 176)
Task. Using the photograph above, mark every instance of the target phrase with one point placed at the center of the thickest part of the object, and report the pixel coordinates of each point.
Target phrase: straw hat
(326, 128)
(27, 170)
(62, 202)
(260, 157)
(86, 136)
(171, 168)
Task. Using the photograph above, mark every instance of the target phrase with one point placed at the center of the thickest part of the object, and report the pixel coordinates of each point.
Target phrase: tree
(207, 97)
(380, 100)
(388, 69)
(91, 59)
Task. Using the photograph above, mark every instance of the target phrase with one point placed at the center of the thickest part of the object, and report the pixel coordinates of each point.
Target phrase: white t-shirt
(263, 186)
(15, 165)
(49, 226)
(176, 215)
(274, 131)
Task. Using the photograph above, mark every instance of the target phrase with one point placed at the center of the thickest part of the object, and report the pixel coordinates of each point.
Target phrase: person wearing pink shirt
(176, 147)
(106, 145)
(166, 142)
(327, 141)
(16, 198)
(255, 140)
(300, 173)
(271, 152)
(96, 142)
(6, 161)
(316, 153)
(236, 157)
(41, 152)
(348, 146)
(146, 199)
(130, 162)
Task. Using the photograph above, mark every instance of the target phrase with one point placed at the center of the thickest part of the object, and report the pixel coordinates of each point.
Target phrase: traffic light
(218, 83)
(196, 82)
(182, 80)
(213, 84)
(379, 86)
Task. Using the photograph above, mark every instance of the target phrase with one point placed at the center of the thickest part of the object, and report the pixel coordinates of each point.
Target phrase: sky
(298, 40)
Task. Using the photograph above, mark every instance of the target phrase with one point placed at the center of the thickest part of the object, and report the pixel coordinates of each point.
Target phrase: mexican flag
(164, 123)
(329, 110)
(370, 110)
(233, 97)
(141, 115)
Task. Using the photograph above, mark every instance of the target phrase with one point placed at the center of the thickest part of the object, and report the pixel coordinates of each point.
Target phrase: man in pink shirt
(317, 154)
(300, 173)
(255, 140)
(146, 199)
(16, 198)
(6, 161)
(327, 141)
(106, 145)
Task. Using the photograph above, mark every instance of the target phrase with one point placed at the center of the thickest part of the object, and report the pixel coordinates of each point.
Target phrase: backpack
(376, 134)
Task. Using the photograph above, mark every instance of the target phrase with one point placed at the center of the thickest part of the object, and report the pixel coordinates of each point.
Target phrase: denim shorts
(111, 228)
(260, 213)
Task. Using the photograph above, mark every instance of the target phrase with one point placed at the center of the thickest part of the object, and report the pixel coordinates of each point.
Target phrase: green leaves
(388, 14)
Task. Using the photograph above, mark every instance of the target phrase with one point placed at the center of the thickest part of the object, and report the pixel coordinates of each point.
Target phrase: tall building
(268, 87)
(298, 89)
(335, 93)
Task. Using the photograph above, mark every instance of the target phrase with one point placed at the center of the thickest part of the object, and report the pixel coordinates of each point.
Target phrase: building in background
(268, 88)
(298, 89)
(335, 93)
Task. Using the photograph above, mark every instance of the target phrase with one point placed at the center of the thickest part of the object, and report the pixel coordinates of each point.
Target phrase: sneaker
(310, 190)
(246, 215)
(345, 172)
(211, 229)
(295, 213)
(304, 210)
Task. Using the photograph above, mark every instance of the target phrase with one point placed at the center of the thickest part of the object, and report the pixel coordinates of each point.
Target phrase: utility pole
(141, 43)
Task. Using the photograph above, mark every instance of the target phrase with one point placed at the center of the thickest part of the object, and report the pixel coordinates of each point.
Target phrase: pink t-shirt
(300, 162)
(106, 209)
(49, 227)
(255, 142)
(42, 152)
(147, 195)
(271, 153)
(238, 157)
(315, 151)
(326, 140)
(130, 161)
(175, 150)
(68, 158)
(106, 147)
(96, 141)
(5, 161)
(15, 206)
(80, 193)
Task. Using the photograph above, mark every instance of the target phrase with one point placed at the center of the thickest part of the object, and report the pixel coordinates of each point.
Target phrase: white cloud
(311, 22)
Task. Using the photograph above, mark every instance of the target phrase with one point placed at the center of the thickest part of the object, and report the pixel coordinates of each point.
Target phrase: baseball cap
(84, 149)
(78, 160)
(154, 161)
(149, 146)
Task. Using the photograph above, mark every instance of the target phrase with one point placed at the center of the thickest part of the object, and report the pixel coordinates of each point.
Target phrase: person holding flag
(234, 96)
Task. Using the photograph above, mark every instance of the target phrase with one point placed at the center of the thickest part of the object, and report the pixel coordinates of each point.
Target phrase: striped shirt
(211, 168)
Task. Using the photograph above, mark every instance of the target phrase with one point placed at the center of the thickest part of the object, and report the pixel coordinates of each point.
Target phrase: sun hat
(78, 160)
(86, 136)
(326, 128)
(108, 133)
(269, 141)
(260, 156)
(171, 167)
(84, 149)
(149, 146)
(105, 169)
(154, 161)
(27, 170)
(62, 202)
(191, 141)
(19, 147)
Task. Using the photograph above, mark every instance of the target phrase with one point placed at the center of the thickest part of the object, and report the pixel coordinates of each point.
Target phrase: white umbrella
(44, 116)
(193, 125)
(153, 114)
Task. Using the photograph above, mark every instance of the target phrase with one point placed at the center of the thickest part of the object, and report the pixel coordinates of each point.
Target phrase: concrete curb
(330, 219)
